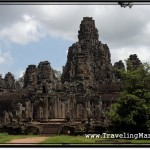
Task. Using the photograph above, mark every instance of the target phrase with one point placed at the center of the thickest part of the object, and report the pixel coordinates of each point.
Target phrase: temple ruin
(89, 84)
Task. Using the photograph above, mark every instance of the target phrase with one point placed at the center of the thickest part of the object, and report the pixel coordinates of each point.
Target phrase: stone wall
(89, 82)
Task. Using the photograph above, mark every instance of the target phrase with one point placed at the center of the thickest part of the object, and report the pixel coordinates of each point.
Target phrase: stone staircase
(52, 127)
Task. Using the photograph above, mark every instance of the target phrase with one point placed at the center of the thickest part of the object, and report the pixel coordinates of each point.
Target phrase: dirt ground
(28, 140)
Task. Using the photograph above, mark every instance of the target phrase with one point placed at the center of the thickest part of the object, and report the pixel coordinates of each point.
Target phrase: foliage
(131, 113)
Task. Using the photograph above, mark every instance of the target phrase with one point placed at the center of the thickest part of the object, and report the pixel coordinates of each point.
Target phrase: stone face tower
(88, 59)
(45, 72)
(88, 69)
(89, 83)
(39, 75)
(9, 81)
(30, 78)
(88, 32)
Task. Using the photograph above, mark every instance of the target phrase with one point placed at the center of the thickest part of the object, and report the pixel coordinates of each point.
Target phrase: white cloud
(6, 62)
(21, 73)
(123, 53)
(22, 32)
(63, 21)
(26, 17)
(5, 58)
(66, 51)
(126, 31)
(117, 26)
(2, 59)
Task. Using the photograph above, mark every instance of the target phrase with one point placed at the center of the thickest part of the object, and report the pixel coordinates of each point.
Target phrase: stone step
(50, 129)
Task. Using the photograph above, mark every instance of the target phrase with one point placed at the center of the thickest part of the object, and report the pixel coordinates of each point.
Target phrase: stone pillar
(41, 112)
(78, 110)
(28, 109)
(68, 108)
(55, 107)
(5, 117)
(45, 109)
(86, 106)
(63, 110)
(31, 111)
(60, 108)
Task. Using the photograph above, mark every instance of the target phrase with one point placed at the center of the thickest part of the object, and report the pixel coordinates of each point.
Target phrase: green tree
(131, 113)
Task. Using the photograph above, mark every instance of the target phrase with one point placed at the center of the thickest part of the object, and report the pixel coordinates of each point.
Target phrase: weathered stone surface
(30, 77)
(9, 81)
(89, 83)
(118, 66)
(39, 77)
(88, 59)
(134, 60)
(88, 67)
(45, 72)
(2, 84)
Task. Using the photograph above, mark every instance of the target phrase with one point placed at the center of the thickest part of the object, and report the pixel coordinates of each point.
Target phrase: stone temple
(89, 84)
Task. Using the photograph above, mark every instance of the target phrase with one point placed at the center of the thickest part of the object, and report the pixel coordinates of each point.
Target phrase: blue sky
(33, 33)
(48, 48)
(52, 49)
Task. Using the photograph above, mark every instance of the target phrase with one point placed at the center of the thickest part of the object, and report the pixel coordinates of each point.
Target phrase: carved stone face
(88, 65)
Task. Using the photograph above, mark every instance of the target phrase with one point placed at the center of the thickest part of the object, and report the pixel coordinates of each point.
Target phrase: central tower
(88, 32)
(88, 59)
(87, 69)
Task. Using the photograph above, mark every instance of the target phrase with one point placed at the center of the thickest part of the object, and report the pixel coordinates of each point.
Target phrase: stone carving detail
(134, 61)
(5, 119)
(88, 59)
(45, 72)
(118, 66)
(30, 78)
(8, 83)
(89, 83)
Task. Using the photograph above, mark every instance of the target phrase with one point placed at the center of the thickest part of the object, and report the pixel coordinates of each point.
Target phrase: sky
(30, 34)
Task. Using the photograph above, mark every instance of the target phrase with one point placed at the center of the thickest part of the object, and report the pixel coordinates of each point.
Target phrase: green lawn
(4, 137)
(82, 140)
(63, 139)
(68, 139)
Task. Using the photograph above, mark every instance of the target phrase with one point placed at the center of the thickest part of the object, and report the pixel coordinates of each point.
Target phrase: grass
(62, 139)
(142, 141)
(5, 138)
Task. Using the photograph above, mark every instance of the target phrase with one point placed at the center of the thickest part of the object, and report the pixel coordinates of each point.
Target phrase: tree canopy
(131, 113)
